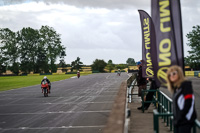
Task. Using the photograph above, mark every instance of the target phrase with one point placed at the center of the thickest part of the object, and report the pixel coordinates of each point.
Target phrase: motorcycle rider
(78, 74)
(119, 72)
(48, 81)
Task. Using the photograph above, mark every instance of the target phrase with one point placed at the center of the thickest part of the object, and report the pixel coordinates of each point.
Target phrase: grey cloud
(16, 21)
(93, 38)
(121, 4)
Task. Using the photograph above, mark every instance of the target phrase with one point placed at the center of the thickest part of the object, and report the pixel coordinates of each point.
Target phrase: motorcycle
(78, 75)
(118, 73)
(45, 88)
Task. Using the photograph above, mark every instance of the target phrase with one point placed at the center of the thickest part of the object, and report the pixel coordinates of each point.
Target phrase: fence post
(194, 128)
(155, 120)
(164, 109)
(170, 110)
(167, 112)
(158, 93)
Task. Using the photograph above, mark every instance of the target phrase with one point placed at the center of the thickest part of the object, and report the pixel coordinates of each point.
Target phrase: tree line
(98, 65)
(30, 50)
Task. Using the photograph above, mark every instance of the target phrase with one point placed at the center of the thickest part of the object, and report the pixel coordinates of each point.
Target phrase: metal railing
(197, 125)
(156, 116)
(130, 90)
(132, 83)
(164, 110)
(164, 107)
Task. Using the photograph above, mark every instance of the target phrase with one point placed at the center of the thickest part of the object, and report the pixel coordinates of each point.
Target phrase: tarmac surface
(74, 106)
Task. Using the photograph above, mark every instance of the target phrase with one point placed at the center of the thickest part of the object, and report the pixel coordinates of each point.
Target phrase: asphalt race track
(74, 106)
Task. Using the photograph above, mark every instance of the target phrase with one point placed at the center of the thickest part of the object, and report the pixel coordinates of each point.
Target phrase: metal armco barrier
(131, 84)
(164, 110)
(130, 89)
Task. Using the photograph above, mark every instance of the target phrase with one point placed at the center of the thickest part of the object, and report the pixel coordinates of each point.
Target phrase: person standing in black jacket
(183, 100)
(141, 82)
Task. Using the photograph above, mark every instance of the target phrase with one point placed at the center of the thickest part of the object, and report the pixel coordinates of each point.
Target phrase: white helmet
(45, 77)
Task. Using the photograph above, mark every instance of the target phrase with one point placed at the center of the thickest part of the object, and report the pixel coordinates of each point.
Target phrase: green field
(13, 82)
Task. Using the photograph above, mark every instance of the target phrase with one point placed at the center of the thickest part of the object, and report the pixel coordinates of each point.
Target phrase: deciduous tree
(52, 43)
(9, 49)
(77, 64)
(194, 44)
(28, 39)
(130, 62)
(110, 66)
(99, 65)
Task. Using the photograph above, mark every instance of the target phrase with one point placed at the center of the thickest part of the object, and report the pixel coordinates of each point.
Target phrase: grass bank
(13, 82)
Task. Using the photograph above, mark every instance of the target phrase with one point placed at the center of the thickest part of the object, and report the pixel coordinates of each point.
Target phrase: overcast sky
(92, 29)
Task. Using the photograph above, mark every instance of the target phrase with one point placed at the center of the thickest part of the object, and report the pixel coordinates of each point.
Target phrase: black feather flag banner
(168, 51)
(147, 41)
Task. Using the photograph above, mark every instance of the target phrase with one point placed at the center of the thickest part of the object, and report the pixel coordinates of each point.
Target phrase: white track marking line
(62, 127)
(53, 97)
(59, 112)
(109, 102)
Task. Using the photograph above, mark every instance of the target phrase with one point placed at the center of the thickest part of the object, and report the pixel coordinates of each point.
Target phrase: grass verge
(14, 82)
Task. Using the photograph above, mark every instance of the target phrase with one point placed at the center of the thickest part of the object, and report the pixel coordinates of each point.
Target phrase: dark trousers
(149, 95)
(140, 88)
(183, 129)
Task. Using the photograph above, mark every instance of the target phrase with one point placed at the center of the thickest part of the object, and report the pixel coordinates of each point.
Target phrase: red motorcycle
(78, 74)
(45, 88)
